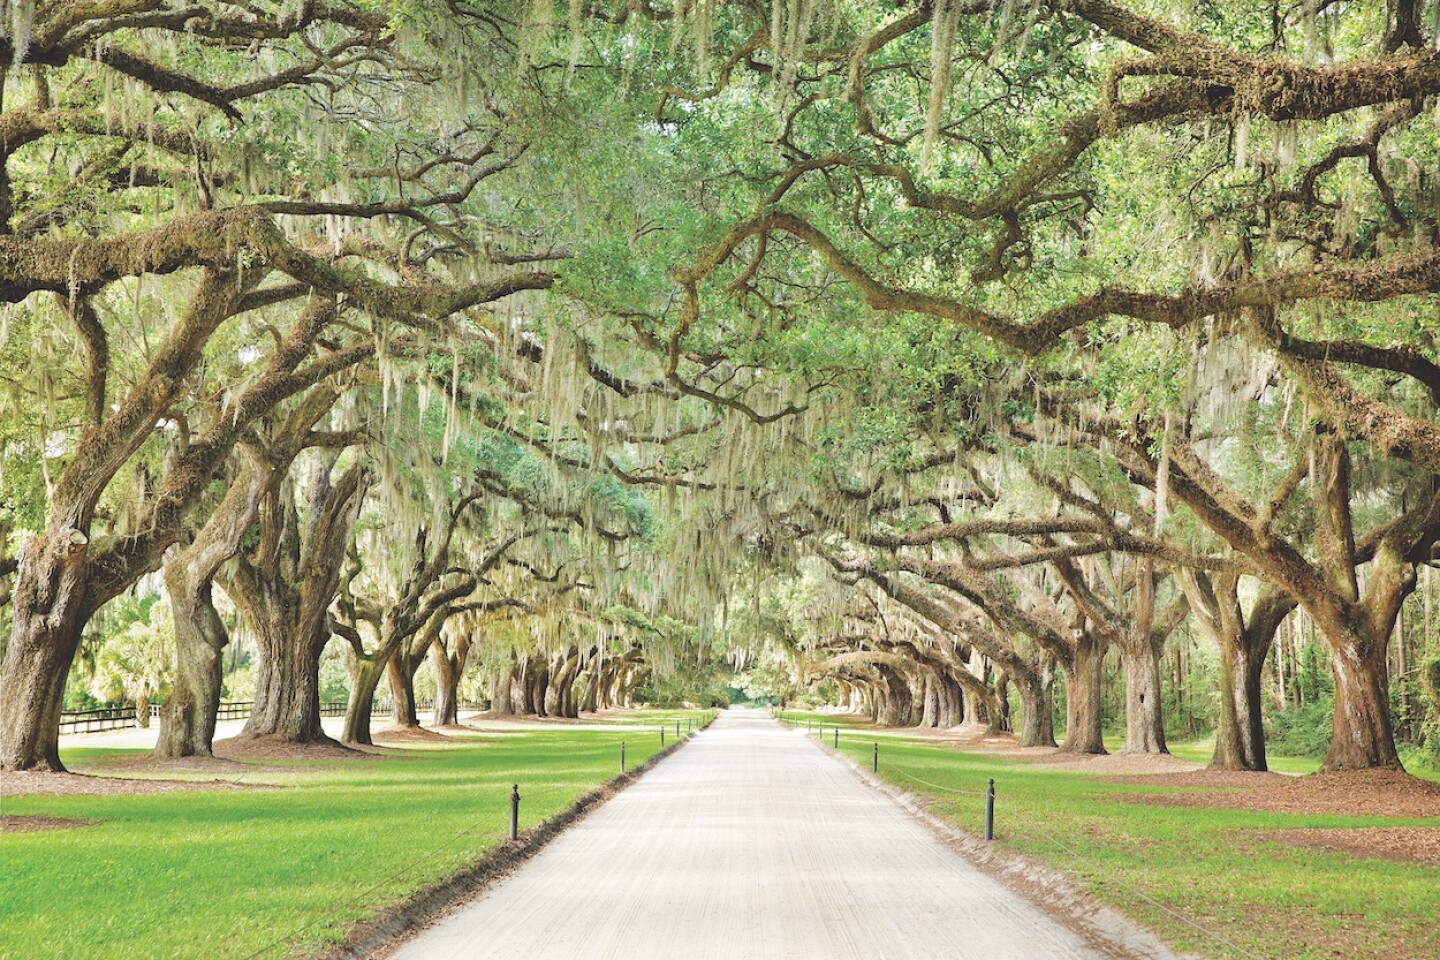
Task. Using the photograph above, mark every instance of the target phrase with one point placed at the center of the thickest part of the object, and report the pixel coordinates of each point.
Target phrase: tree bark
(364, 681)
(49, 614)
(539, 685)
(1362, 735)
(565, 683)
(930, 699)
(1084, 684)
(983, 705)
(1144, 706)
(289, 618)
(402, 692)
(502, 702)
(1240, 730)
(1037, 705)
(1244, 644)
(287, 688)
(447, 689)
(589, 701)
(951, 712)
(187, 720)
(898, 698)
(999, 721)
(449, 669)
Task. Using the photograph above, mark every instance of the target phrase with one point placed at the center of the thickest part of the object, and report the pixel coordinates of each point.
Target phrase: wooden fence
(119, 718)
(101, 718)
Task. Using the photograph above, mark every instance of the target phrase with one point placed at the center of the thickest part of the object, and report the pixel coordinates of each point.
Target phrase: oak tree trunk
(364, 681)
(539, 686)
(1362, 735)
(951, 712)
(49, 612)
(187, 720)
(402, 693)
(449, 668)
(1240, 730)
(287, 686)
(898, 698)
(930, 696)
(1037, 706)
(1083, 689)
(502, 702)
(1144, 708)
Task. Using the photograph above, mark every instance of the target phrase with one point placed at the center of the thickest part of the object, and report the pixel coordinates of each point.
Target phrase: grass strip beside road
(224, 874)
(1221, 869)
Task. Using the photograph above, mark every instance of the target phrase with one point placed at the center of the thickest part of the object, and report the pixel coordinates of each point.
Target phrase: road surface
(751, 842)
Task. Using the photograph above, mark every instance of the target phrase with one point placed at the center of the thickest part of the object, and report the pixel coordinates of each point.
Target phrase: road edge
(379, 936)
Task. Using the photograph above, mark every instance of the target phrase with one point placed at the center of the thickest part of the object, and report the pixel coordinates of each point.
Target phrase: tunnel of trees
(1065, 368)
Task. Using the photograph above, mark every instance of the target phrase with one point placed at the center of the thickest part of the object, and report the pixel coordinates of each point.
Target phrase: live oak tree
(131, 185)
(930, 350)
(1080, 173)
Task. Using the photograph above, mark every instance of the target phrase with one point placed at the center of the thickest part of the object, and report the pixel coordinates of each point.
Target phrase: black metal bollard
(677, 729)
(990, 810)
(622, 756)
(662, 734)
(875, 760)
(515, 812)
(837, 738)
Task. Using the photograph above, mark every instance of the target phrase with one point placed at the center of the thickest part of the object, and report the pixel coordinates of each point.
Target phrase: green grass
(1209, 866)
(228, 874)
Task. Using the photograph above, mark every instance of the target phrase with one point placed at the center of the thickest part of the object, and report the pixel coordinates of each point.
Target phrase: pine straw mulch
(1202, 778)
(30, 782)
(1359, 793)
(978, 738)
(1400, 844)
(1132, 766)
(529, 720)
(146, 764)
(409, 735)
(466, 733)
(33, 823)
(272, 748)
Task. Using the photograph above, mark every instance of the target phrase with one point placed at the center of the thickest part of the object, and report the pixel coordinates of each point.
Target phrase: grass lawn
(277, 872)
(1209, 866)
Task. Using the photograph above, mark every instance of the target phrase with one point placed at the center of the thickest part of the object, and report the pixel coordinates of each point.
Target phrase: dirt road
(750, 842)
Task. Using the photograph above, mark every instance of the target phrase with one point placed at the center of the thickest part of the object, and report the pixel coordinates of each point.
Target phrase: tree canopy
(914, 356)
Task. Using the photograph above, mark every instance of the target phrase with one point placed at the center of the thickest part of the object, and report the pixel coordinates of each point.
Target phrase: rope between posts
(1133, 891)
(1142, 895)
(466, 831)
(362, 895)
(891, 765)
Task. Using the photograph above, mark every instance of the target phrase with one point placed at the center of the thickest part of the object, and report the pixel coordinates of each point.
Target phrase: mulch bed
(16, 784)
(1132, 766)
(1361, 793)
(410, 735)
(270, 748)
(14, 823)
(1401, 844)
(149, 764)
(1202, 778)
